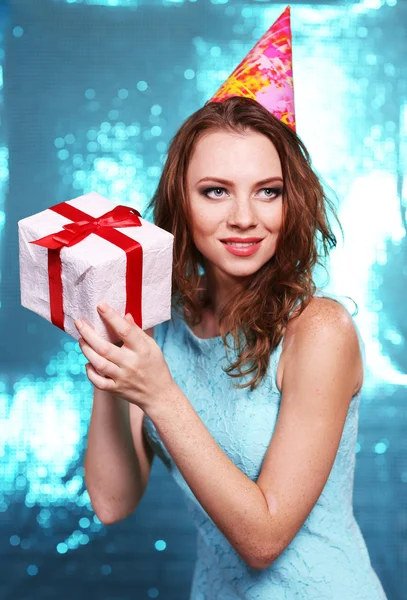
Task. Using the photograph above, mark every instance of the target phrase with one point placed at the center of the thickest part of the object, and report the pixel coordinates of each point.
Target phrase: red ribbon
(103, 226)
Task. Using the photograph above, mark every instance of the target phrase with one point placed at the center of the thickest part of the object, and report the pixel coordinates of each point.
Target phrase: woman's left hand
(137, 371)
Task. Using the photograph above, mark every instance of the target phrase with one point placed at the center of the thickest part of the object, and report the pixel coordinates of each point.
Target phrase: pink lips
(241, 251)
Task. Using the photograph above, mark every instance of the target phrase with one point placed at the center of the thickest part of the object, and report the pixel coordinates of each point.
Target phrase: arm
(260, 519)
(118, 459)
(233, 501)
(116, 475)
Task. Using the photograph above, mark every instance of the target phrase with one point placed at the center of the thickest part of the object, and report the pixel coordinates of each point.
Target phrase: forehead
(225, 154)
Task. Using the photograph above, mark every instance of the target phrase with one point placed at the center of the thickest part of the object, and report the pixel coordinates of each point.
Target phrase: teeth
(241, 244)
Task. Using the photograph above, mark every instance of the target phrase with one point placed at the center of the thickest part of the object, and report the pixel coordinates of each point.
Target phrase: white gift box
(94, 269)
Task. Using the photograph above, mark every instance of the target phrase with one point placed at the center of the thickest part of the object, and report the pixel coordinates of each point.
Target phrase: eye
(207, 191)
(273, 192)
(217, 192)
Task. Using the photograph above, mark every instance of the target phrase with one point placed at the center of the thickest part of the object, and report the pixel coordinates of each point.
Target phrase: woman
(267, 466)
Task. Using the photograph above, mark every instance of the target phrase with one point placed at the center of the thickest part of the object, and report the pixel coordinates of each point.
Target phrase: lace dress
(328, 558)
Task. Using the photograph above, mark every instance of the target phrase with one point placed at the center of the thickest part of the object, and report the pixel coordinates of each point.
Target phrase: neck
(216, 296)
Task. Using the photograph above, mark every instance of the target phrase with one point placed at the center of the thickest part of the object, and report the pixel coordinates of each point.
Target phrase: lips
(242, 250)
(242, 240)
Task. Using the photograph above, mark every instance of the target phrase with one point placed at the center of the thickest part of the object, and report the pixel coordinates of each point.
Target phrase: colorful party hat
(266, 73)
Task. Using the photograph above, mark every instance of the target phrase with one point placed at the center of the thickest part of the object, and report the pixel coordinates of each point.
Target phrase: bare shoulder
(324, 323)
(325, 314)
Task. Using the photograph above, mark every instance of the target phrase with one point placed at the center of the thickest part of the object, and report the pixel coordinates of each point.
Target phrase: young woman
(266, 463)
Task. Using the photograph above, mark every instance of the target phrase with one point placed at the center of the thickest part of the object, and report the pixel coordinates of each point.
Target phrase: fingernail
(78, 323)
(102, 307)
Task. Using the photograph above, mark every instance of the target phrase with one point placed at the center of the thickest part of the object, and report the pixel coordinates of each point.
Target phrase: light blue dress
(328, 558)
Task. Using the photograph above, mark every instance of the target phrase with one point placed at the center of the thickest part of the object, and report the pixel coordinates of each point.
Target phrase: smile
(242, 249)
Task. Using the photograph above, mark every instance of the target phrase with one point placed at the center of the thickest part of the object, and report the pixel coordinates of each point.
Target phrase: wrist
(165, 403)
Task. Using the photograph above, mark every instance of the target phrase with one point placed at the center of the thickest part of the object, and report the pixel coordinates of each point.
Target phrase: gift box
(78, 253)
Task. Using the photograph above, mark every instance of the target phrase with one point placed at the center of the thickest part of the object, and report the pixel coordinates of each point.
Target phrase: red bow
(120, 216)
(105, 227)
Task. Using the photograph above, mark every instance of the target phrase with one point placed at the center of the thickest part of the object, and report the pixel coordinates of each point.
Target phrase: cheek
(204, 231)
(274, 215)
(206, 222)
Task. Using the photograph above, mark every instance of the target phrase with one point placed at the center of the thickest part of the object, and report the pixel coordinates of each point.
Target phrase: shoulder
(325, 315)
(323, 329)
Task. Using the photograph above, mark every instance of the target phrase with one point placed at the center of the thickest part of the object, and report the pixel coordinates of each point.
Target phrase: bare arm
(118, 459)
(260, 519)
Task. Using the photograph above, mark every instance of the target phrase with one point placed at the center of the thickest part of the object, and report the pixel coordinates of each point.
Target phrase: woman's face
(234, 184)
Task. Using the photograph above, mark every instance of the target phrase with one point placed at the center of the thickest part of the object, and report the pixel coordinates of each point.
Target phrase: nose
(242, 214)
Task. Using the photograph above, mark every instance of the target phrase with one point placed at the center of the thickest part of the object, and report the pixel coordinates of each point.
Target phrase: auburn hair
(262, 303)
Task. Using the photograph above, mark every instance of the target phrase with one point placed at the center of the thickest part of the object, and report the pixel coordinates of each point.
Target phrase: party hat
(266, 74)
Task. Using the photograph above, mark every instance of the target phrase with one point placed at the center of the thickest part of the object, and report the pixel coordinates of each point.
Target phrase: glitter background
(91, 92)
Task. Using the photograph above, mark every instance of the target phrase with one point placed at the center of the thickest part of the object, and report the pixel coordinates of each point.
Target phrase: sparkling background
(91, 91)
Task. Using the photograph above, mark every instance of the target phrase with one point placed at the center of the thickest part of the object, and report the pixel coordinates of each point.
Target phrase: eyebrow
(227, 182)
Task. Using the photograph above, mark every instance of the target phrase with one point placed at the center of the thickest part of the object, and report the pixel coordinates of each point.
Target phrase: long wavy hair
(261, 304)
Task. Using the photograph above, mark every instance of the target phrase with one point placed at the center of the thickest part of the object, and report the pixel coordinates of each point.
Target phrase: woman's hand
(136, 371)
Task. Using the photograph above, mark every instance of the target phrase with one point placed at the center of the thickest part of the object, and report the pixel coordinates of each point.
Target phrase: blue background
(91, 92)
